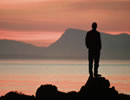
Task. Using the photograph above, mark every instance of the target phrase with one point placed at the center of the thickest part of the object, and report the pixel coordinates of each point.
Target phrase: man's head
(94, 25)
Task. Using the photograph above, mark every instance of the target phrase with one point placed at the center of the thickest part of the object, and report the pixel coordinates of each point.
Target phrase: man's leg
(96, 63)
(90, 58)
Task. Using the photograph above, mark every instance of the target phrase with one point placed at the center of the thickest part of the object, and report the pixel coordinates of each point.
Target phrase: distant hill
(11, 49)
(71, 45)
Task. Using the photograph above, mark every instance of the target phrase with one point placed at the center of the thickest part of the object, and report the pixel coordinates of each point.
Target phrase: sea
(25, 76)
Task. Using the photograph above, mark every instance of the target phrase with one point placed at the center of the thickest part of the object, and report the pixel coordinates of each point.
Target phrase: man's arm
(87, 40)
(100, 41)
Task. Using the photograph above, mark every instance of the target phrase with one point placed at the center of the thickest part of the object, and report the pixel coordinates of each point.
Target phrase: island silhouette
(69, 46)
(97, 88)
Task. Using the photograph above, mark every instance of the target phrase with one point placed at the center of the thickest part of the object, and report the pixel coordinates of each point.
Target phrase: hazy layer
(27, 75)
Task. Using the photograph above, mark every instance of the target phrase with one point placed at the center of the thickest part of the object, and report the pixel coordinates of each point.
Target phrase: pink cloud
(57, 15)
(36, 38)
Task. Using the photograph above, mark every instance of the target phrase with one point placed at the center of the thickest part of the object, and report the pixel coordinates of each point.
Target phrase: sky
(42, 22)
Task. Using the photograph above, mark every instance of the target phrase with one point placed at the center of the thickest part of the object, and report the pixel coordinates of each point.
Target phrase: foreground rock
(98, 88)
(16, 96)
(94, 89)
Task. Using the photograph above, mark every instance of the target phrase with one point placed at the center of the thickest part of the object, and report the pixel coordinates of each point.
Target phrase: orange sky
(41, 22)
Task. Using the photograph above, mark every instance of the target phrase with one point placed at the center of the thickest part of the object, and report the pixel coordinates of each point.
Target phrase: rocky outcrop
(95, 89)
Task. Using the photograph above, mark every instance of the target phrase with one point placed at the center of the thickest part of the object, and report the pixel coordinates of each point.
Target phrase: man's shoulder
(92, 32)
(89, 32)
(98, 32)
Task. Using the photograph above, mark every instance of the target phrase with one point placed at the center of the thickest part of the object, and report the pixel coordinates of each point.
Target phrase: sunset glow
(36, 38)
(44, 42)
(22, 19)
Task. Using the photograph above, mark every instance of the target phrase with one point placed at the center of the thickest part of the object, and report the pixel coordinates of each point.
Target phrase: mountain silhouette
(71, 45)
(11, 49)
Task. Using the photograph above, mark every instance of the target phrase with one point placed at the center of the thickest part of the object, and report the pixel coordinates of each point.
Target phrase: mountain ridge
(70, 45)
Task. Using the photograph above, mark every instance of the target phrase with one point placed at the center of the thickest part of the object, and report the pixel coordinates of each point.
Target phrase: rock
(48, 92)
(98, 88)
(16, 96)
(94, 89)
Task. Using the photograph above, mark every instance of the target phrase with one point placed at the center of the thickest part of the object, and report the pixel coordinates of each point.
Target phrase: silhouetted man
(93, 43)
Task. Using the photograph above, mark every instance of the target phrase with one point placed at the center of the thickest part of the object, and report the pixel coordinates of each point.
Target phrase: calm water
(27, 75)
